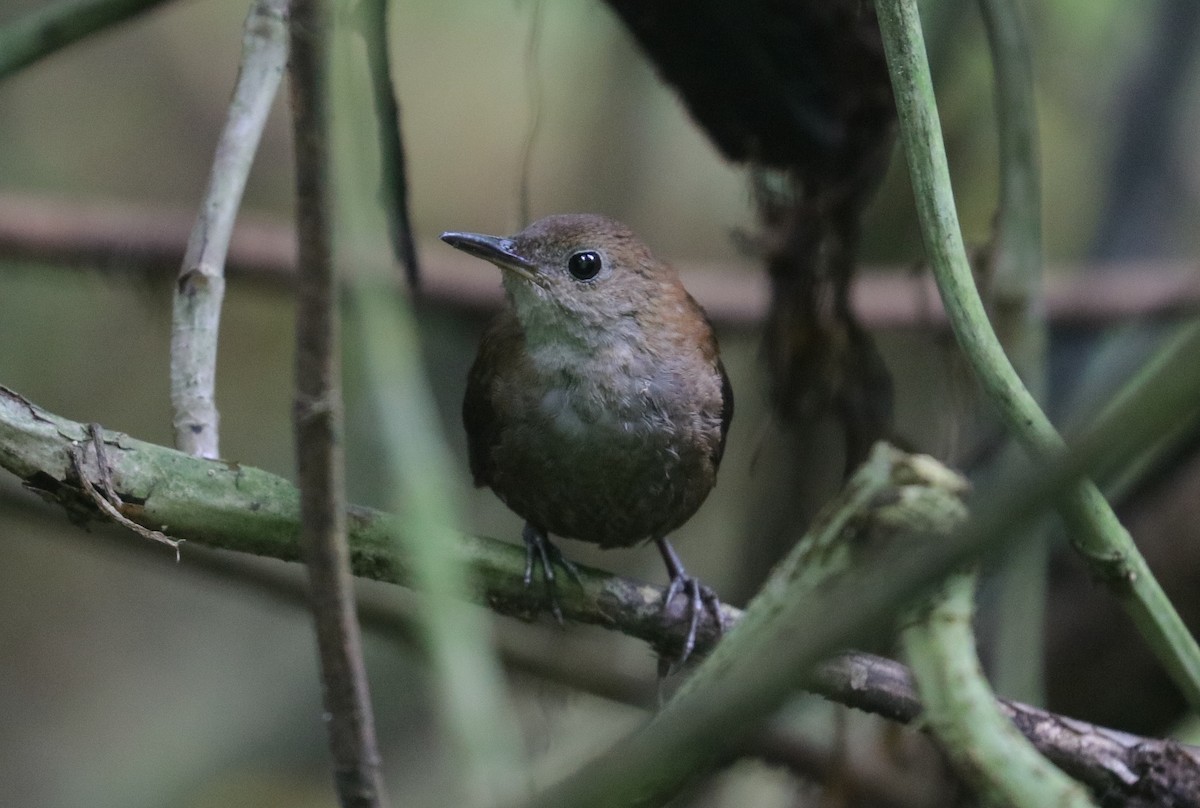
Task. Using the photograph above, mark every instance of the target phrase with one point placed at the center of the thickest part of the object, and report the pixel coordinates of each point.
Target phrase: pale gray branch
(200, 288)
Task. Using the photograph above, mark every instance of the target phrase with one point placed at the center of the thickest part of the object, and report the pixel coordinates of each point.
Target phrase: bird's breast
(613, 451)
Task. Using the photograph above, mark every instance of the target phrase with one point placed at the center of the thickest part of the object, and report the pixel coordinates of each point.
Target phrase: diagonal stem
(1018, 308)
(1095, 531)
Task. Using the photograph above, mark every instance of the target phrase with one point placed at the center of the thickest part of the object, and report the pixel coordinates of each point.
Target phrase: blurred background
(127, 679)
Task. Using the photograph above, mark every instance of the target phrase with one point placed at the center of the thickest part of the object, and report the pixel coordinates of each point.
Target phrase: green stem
(1018, 313)
(963, 714)
(471, 699)
(42, 32)
(1095, 531)
(1016, 278)
(702, 722)
(891, 494)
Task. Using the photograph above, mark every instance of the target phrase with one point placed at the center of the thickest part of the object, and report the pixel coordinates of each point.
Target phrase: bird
(597, 407)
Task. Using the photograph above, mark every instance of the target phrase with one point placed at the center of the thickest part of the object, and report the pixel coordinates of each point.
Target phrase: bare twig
(200, 287)
(318, 422)
(105, 498)
(1125, 769)
(151, 243)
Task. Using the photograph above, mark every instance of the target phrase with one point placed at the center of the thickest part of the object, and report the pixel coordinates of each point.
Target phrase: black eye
(584, 265)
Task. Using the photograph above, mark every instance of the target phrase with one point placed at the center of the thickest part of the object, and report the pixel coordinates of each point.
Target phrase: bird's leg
(539, 548)
(699, 596)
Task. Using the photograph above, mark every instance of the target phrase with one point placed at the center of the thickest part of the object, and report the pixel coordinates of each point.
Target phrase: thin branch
(318, 422)
(54, 26)
(151, 243)
(393, 171)
(200, 287)
(1094, 529)
(225, 505)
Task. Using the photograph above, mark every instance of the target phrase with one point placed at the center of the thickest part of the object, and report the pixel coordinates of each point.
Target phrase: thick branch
(233, 507)
(224, 505)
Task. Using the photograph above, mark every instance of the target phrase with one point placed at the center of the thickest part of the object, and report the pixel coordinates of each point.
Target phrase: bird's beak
(498, 251)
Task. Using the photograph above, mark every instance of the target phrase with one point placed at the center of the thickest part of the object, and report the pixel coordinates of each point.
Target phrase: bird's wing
(726, 411)
(479, 413)
(712, 353)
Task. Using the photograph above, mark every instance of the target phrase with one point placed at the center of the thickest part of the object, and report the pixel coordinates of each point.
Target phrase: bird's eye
(584, 265)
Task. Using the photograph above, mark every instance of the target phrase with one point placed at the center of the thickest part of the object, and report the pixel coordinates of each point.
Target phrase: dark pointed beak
(494, 249)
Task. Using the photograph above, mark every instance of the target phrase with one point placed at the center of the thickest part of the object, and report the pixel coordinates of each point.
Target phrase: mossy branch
(224, 505)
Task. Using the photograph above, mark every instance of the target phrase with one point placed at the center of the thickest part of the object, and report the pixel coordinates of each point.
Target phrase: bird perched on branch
(598, 406)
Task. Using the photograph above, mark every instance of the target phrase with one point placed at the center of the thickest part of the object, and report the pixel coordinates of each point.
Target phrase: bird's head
(579, 276)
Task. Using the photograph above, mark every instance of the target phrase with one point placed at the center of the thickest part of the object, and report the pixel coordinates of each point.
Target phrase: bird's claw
(699, 598)
(539, 550)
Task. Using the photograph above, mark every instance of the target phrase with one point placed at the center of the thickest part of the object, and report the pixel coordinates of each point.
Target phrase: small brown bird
(598, 406)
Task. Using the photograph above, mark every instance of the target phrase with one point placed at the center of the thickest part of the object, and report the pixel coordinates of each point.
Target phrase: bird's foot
(541, 551)
(699, 599)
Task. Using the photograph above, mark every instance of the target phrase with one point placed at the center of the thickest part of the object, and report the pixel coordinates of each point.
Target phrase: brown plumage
(597, 408)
